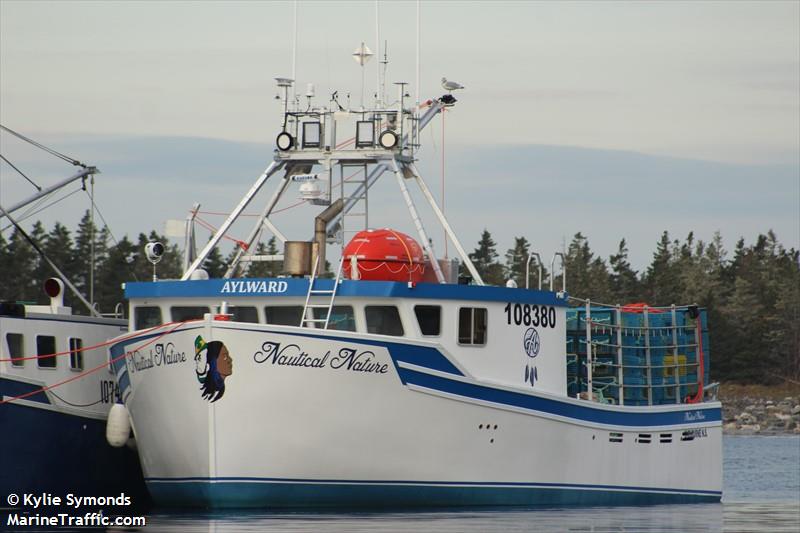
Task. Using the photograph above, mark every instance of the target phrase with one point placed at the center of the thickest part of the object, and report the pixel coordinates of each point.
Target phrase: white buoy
(118, 426)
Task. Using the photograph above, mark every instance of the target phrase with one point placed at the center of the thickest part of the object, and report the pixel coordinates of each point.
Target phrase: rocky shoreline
(746, 415)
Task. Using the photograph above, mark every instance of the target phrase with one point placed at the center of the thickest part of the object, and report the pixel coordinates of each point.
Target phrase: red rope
(92, 370)
(212, 229)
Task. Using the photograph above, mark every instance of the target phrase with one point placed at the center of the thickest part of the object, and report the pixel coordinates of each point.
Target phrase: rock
(782, 417)
(729, 428)
(770, 402)
(796, 410)
(750, 429)
(788, 399)
(746, 419)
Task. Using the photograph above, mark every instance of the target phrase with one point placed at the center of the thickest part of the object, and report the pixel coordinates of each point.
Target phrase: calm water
(761, 493)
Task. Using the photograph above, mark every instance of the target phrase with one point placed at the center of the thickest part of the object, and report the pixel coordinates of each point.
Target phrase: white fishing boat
(393, 382)
(56, 388)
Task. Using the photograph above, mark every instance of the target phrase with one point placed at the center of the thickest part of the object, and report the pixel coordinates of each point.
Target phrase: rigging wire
(20, 172)
(38, 208)
(43, 147)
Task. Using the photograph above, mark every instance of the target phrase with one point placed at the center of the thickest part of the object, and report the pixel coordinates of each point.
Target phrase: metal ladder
(360, 207)
(308, 319)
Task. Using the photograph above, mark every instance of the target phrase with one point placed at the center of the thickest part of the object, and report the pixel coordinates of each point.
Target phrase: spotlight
(388, 139)
(284, 141)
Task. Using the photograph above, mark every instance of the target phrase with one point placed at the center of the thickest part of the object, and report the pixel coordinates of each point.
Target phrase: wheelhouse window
(46, 345)
(429, 318)
(284, 315)
(75, 354)
(181, 313)
(15, 344)
(244, 314)
(342, 318)
(472, 323)
(147, 317)
(383, 320)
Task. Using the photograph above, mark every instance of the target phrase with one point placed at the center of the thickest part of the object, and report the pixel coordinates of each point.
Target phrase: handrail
(563, 272)
(528, 269)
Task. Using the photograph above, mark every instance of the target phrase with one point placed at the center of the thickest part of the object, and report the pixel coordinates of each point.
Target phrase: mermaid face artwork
(213, 363)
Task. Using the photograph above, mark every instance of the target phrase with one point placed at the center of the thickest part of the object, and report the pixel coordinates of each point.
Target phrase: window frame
(385, 306)
(18, 360)
(136, 319)
(472, 327)
(183, 319)
(39, 351)
(419, 324)
(266, 314)
(75, 354)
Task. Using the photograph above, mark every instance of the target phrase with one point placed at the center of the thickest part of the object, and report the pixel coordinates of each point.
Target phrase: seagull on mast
(451, 86)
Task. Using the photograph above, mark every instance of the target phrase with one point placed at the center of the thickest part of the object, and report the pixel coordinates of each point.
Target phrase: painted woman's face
(224, 362)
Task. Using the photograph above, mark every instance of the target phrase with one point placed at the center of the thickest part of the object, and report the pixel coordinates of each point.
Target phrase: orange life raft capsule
(384, 255)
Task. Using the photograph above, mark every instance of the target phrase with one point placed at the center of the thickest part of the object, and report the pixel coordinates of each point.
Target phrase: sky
(614, 119)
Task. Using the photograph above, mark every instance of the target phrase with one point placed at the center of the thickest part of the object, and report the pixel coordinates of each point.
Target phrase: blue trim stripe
(267, 288)
(229, 492)
(710, 415)
(13, 388)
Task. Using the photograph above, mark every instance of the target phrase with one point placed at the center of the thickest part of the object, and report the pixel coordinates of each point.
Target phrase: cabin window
(182, 313)
(429, 318)
(16, 348)
(244, 314)
(342, 318)
(284, 315)
(383, 320)
(472, 325)
(147, 317)
(75, 354)
(46, 345)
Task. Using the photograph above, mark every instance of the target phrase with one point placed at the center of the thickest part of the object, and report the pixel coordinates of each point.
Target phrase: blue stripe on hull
(273, 494)
(712, 415)
(48, 451)
(13, 388)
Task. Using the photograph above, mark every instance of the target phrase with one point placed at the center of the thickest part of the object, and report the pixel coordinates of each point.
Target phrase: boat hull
(316, 419)
(51, 451)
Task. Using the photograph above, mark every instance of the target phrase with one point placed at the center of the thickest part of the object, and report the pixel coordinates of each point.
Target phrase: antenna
(378, 94)
(416, 85)
(294, 46)
(385, 63)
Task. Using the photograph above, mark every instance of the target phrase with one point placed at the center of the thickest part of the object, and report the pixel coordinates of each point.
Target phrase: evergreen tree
(266, 269)
(662, 281)
(485, 260)
(517, 263)
(625, 286)
(587, 276)
(214, 264)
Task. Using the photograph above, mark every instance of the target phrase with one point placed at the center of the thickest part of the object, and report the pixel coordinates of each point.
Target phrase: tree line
(752, 294)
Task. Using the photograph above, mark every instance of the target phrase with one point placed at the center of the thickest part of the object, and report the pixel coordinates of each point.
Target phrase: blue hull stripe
(259, 492)
(13, 388)
(568, 410)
